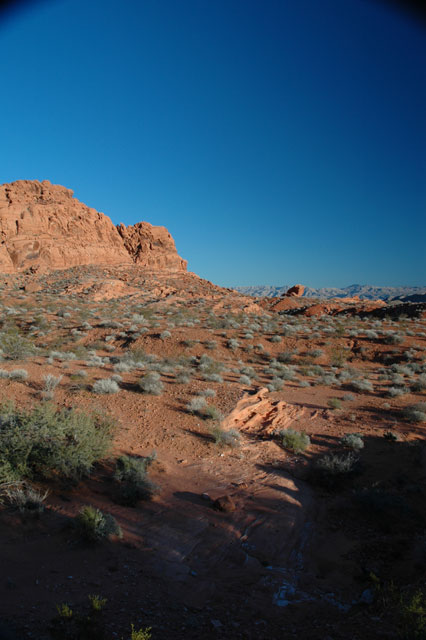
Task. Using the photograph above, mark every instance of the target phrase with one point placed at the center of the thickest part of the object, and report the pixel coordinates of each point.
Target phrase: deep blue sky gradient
(278, 141)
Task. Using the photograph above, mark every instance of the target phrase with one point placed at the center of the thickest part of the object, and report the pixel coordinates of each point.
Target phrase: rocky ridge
(42, 227)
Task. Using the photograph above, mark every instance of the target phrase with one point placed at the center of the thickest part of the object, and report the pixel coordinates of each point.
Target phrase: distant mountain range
(364, 291)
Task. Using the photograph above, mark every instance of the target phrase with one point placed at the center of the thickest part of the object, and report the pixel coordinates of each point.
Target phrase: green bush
(295, 441)
(44, 441)
(14, 345)
(93, 525)
(131, 473)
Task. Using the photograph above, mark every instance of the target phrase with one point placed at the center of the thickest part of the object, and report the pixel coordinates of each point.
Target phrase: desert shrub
(393, 338)
(275, 338)
(245, 380)
(361, 385)
(122, 367)
(18, 374)
(395, 392)
(183, 377)
(233, 344)
(352, 441)
(27, 499)
(165, 334)
(419, 384)
(207, 393)
(295, 441)
(315, 353)
(334, 403)
(212, 377)
(333, 468)
(93, 525)
(106, 385)
(140, 634)
(44, 440)
(230, 438)
(15, 346)
(132, 475)
(151, 383)
(4, 374)
(285, 357)
(276, 384)
(196, 404)
(338, 356)
(199, 406)
(51, 382)
(415, 412)
(211, 344)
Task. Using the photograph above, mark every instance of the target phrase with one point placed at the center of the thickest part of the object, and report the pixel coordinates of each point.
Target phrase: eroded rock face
(151, 246)
(42, 226)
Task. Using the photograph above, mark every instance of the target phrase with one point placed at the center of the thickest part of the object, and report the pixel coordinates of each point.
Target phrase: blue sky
(278, 141)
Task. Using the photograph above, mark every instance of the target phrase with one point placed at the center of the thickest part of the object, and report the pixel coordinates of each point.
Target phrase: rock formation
(297, 290)
(151, 246)
(42, 226)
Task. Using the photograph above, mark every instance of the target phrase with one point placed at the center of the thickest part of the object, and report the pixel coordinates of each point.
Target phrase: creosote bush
(45, 441)
(295, 441)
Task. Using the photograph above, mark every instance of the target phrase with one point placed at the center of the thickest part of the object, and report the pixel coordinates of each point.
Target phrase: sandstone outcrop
(296, 290)
(151, 246)
(42, 227)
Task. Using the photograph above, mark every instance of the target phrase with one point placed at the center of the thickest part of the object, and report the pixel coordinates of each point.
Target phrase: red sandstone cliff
(44, 226)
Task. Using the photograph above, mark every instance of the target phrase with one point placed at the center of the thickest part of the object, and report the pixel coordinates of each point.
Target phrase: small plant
(26, 499)
(334, 403)
(164, 335)
(141, 634)
(276, 384)
(295, 441)
(361, 385)
(131, 473)
(333, 468)
(105, 386)
(51, 382)
(233, 344)
(230, 438)
(151, 383)
(94, 526)
(18, 374)
(64, 611)
(415, 412)
(98, 603)
(352, 441)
